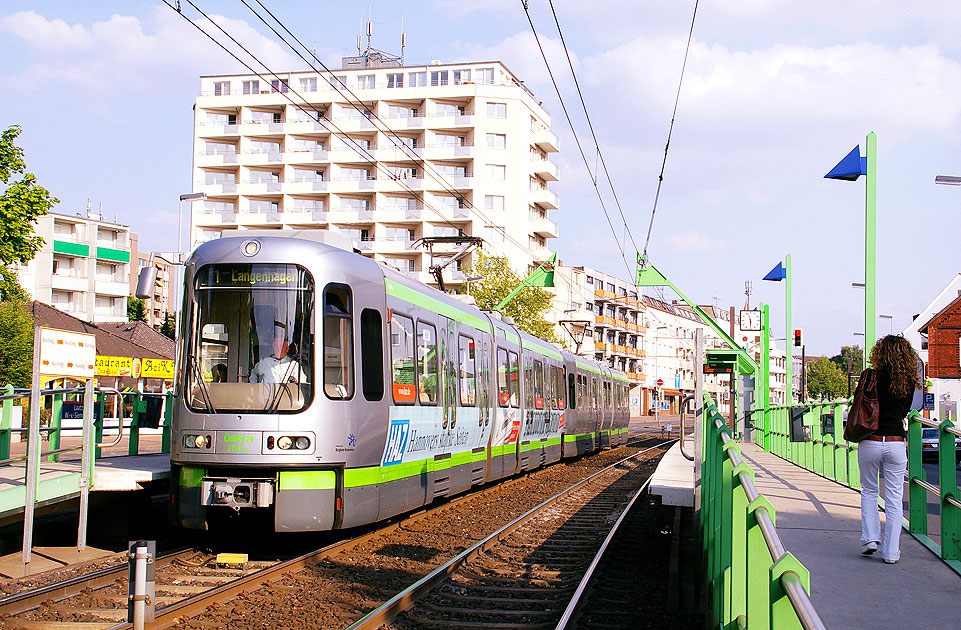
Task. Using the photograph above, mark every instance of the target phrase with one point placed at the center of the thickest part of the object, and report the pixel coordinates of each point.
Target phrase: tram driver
(280, 366)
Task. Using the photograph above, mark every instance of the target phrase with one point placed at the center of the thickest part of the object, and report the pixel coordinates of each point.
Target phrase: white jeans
(895, 458)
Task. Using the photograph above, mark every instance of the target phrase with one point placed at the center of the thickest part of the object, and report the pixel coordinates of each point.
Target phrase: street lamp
(948, 180)
(191, 197)
(473, 279)
(890, 319)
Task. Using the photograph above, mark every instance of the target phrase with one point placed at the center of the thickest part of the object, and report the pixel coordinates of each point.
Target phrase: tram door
(448, 371)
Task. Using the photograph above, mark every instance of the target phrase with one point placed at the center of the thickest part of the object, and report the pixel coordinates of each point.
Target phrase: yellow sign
(135, 367)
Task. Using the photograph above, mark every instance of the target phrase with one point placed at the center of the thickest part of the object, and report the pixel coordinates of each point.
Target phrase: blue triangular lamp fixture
(851, 167)
(777, 274)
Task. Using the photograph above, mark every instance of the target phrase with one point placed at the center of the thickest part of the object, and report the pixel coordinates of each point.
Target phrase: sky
(775, 94)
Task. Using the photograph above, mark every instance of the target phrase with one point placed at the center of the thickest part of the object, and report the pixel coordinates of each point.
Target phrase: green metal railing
(753, 582)
(810, 436)
(54, 430)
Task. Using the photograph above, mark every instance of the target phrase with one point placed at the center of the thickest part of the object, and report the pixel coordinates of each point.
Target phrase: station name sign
(245, 275)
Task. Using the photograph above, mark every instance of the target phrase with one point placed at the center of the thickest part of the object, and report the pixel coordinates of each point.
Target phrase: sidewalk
(819, 521)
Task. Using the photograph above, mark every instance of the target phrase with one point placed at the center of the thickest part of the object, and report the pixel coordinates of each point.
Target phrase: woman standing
(896, 365)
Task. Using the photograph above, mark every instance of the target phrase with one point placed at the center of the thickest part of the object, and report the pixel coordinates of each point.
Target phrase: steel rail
(191, 606)
(578, 599)
(28, 600)
(790, 581)
(389, 610)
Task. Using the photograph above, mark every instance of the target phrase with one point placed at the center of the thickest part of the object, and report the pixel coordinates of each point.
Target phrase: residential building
(942, 334)
(83, 268)
(385, 153)
(159, 305)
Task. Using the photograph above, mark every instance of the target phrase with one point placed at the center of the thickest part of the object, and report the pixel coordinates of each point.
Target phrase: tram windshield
(251, 339)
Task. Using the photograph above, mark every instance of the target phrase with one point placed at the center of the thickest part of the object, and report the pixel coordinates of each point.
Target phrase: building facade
(83, 268)
(385, 154)
(159, 305)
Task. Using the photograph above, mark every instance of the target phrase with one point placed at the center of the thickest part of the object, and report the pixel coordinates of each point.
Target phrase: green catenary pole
(870, 243)
(766, 371)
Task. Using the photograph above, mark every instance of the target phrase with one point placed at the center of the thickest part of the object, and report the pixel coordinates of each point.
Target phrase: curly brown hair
(895, 355)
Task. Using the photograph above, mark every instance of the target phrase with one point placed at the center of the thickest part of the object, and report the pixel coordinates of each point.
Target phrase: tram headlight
(284, 443)
(301, 443)
(197, 441)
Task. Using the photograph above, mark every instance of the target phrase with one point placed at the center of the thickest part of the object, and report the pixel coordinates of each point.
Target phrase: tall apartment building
(159, 304)
(83, 268)
(384, 153)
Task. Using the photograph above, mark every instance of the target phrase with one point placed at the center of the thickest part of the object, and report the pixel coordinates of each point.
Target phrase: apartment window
(402, 172)
(447, 140)
(448, 109)
(351, 204)
(279, 85)
(355, 174)
(497, 110)
(416, 79)
(251, 87)
(308, 84)
(219, 178)
(259, 146)
(264, 177)
(308, 175)
(395, 80)
(496, 171)
(399, 234)
(451, 170)
(496, 141)
(260, 206)
(404, 264)
(399, 203)
(366, 81)
(409, 141)
(493, 234)
(494, 202)
(353, 143)
(485, 75)
(447, 230)
(448, 203)
(339, 82)
(263, 117)
(221, 88)
(216, 118)
(302, 144)
(397, 111)
(305, 205)
(438, 77)
(216, 207)
(461, 77)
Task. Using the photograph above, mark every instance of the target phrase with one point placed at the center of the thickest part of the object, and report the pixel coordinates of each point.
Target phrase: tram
(318, 389)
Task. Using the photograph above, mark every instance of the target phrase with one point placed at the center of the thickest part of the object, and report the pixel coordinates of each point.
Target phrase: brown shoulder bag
(863, 414)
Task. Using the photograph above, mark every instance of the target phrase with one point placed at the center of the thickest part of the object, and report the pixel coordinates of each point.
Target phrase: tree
(168, 328)
(16, 345)
(854, 353)
(10, 289)
(528, 308)
(136, 311)
(21, 203)
(825, 379)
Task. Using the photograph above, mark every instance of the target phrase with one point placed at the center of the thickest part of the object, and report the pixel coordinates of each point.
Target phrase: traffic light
(798, 342)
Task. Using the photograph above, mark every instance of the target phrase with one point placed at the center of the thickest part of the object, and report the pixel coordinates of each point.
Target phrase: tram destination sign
(247, 275)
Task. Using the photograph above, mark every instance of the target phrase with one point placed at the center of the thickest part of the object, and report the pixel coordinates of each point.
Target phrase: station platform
(58, 482)
(819, 521)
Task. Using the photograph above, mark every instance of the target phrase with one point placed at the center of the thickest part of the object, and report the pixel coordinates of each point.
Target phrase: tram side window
(402, 359)
(468, 383)
(503, 376)
(338, 343)
(561, 378)
(551, 382)
(529, 382)
(594, 399)
(572, 390)
(538, 385)
(372, 353)
(427, 363)
(513, 380)
(607, 396)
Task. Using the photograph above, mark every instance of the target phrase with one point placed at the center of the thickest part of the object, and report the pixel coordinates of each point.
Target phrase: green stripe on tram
(530, 344)
(425, 301)
(307, 480)
(587, 367)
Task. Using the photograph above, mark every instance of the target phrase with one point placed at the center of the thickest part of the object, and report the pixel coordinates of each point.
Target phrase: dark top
(891, 409)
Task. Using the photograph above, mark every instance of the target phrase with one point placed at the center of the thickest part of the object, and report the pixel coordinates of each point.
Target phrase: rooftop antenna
(403, 40)
(88, 207)
(100, 212)
(370, 26)
(747, 295)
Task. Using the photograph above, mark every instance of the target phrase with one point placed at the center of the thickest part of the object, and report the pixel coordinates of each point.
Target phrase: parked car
(930, 443)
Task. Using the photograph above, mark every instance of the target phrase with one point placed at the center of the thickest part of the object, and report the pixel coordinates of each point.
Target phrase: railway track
(532, 572)
(191, 593)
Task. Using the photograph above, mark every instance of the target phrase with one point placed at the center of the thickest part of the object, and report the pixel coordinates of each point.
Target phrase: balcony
(348, 124)
(217, 130)
(259, 218)
(259, 128)
(446, 182)
(215, 159)
(254, 158)
(547, 140)
(112, 288)
(205, 219)
(603, 321)
(306, 156)
(448, 152)
(307, 125)
(260, 188)
(352, 184)
(65, 282)
(542, 226)
(448, 121)
(606, 295)
(546, 169)
(213, 189)
(305, 186)
(545, 198)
